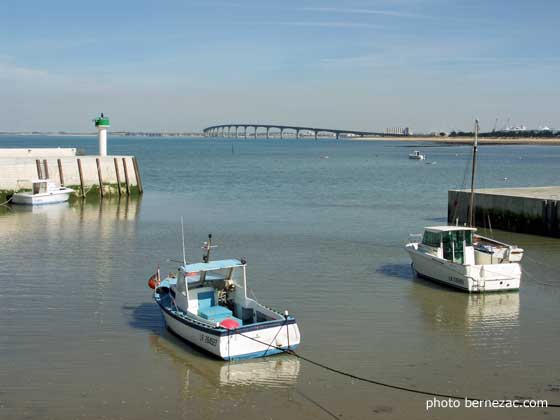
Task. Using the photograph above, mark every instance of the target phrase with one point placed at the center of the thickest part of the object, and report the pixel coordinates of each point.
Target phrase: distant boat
(324, 156)
(457, 257)
(43, 191)
(416, 155)
(207, 305)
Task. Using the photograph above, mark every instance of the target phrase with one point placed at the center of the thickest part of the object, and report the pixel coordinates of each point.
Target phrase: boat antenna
(183, 241)
(475, 149)
(207, 247)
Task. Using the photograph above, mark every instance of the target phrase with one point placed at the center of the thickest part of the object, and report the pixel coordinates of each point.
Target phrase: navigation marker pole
(102, 123)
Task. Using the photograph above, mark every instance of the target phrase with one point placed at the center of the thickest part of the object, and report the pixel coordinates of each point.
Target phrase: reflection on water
(445, 309)
(197, 370)
(81, 337)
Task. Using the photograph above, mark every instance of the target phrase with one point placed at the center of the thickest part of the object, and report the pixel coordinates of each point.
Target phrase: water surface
(80, 336)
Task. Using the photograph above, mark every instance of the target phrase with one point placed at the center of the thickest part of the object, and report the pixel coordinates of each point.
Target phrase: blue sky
(184, 65)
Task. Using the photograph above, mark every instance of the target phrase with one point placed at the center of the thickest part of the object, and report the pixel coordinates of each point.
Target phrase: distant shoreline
(546, 141)
(466, 140)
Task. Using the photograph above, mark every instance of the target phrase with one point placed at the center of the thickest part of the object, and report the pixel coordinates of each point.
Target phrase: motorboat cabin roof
(211, 266)
(448, 228)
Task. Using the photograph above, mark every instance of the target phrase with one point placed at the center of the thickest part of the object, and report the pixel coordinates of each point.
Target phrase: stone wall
(533, 215)
(17, 173)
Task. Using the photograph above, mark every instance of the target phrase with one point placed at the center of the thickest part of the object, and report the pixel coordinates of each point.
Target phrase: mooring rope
(372, 381)
(6, 202)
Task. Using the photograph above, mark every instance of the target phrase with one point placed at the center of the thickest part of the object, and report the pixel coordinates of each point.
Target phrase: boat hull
(468, 278)
(42, 198)
(247, 342)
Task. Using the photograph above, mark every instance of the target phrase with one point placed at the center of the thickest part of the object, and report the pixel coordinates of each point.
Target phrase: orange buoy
(152, 281)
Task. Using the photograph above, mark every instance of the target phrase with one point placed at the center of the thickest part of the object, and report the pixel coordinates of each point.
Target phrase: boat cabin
(216, 291)
(39, 187)
(452, 243)
(461, 245)
(42, 186)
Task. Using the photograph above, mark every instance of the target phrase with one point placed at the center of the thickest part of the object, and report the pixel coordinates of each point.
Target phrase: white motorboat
(456, 256)
(416, 155)
(206, 304)
(43, 191)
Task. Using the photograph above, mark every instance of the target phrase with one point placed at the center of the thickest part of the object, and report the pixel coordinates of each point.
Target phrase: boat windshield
(39, 187)
(454, 243)
(432, 239)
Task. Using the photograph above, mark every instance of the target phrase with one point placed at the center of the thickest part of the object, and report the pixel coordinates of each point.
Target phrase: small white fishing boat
(206, 304)
(456, 256)
(43, 191)
(416, 155)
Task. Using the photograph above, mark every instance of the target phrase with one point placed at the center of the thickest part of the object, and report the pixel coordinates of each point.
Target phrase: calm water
(81, 338)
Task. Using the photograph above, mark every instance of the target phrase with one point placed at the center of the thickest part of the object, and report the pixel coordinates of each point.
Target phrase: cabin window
(39, 187)
(468, 237)
(453, 249)
(431, 239)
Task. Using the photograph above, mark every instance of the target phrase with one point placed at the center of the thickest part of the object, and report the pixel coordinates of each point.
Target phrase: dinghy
(416, 155)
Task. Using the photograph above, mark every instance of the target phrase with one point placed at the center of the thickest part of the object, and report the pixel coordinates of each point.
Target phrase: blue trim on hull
(270, 352)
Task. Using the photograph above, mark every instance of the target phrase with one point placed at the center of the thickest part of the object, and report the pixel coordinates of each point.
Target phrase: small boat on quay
(206, 304)
(416, 155)
(458, 257)
(43, 191)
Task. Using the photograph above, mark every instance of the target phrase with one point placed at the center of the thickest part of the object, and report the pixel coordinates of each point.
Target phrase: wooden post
(45, 164)
(118, 176)
(99, 176)
(126, 176)
(81, 176)
(39, 171)
(138, 178)
(60, 174)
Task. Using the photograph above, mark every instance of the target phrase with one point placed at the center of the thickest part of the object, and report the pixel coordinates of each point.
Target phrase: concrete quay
(87, 175)
(532, 210)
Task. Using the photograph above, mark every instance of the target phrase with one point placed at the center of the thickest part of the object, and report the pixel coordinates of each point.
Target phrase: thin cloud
(330, 24)
(391, 13)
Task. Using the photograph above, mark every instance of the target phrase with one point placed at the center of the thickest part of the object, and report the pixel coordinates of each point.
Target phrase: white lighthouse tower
(102, 123)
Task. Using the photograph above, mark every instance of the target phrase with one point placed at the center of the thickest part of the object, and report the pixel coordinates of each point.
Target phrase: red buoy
(230, 324)
(152, 282)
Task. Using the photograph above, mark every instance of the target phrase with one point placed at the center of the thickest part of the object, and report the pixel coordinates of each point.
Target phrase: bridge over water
(233, 130)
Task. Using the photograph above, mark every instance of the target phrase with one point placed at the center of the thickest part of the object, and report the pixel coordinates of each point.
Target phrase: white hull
(50, 197)
(242, 343)
(469, 278)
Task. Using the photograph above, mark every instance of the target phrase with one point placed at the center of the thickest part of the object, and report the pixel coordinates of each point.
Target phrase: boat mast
(183, 241)
(475, 149)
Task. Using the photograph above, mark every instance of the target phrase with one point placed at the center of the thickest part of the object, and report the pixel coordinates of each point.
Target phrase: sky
(174, 65)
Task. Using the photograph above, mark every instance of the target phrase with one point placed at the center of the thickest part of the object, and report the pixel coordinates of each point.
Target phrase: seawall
(532, 210)
(87, 175)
